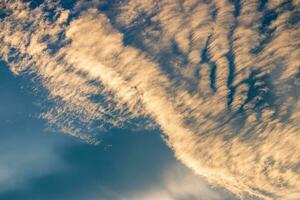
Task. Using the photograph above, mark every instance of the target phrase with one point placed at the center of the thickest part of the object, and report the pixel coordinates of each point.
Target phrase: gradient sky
(143, 100)
(36, 163)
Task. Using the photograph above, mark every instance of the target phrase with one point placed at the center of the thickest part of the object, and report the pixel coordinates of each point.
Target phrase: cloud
(25, 152)
(231, 113)
(178, 183)
(17, 166)
(93, 172)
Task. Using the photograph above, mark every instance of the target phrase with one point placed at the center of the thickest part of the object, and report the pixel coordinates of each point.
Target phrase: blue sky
(36, 163)
(140, 100)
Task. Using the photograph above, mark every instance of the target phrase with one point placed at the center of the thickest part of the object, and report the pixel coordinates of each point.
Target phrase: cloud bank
(219, 78)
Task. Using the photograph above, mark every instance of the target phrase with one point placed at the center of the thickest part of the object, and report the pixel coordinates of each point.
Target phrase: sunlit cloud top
(219, 78)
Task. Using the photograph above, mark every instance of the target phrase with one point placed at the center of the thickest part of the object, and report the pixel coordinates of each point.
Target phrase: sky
(38, 163)
(158, 99)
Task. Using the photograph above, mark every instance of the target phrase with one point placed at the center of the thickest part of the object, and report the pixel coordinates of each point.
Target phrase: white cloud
(255, 151)
(177, 183)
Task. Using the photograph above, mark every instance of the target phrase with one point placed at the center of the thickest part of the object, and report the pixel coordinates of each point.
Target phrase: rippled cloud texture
(219, 78)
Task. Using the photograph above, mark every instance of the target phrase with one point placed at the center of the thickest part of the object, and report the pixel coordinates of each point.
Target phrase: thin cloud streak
(247, 143)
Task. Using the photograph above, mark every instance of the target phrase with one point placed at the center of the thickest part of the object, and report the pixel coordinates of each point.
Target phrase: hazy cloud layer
(219, 78)
(178, 183)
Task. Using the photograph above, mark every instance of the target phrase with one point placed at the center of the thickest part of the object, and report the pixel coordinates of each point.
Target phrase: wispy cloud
(178, 183)
(219, 78)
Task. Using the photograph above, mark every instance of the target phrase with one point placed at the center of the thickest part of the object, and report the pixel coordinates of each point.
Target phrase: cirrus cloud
(219, 78)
